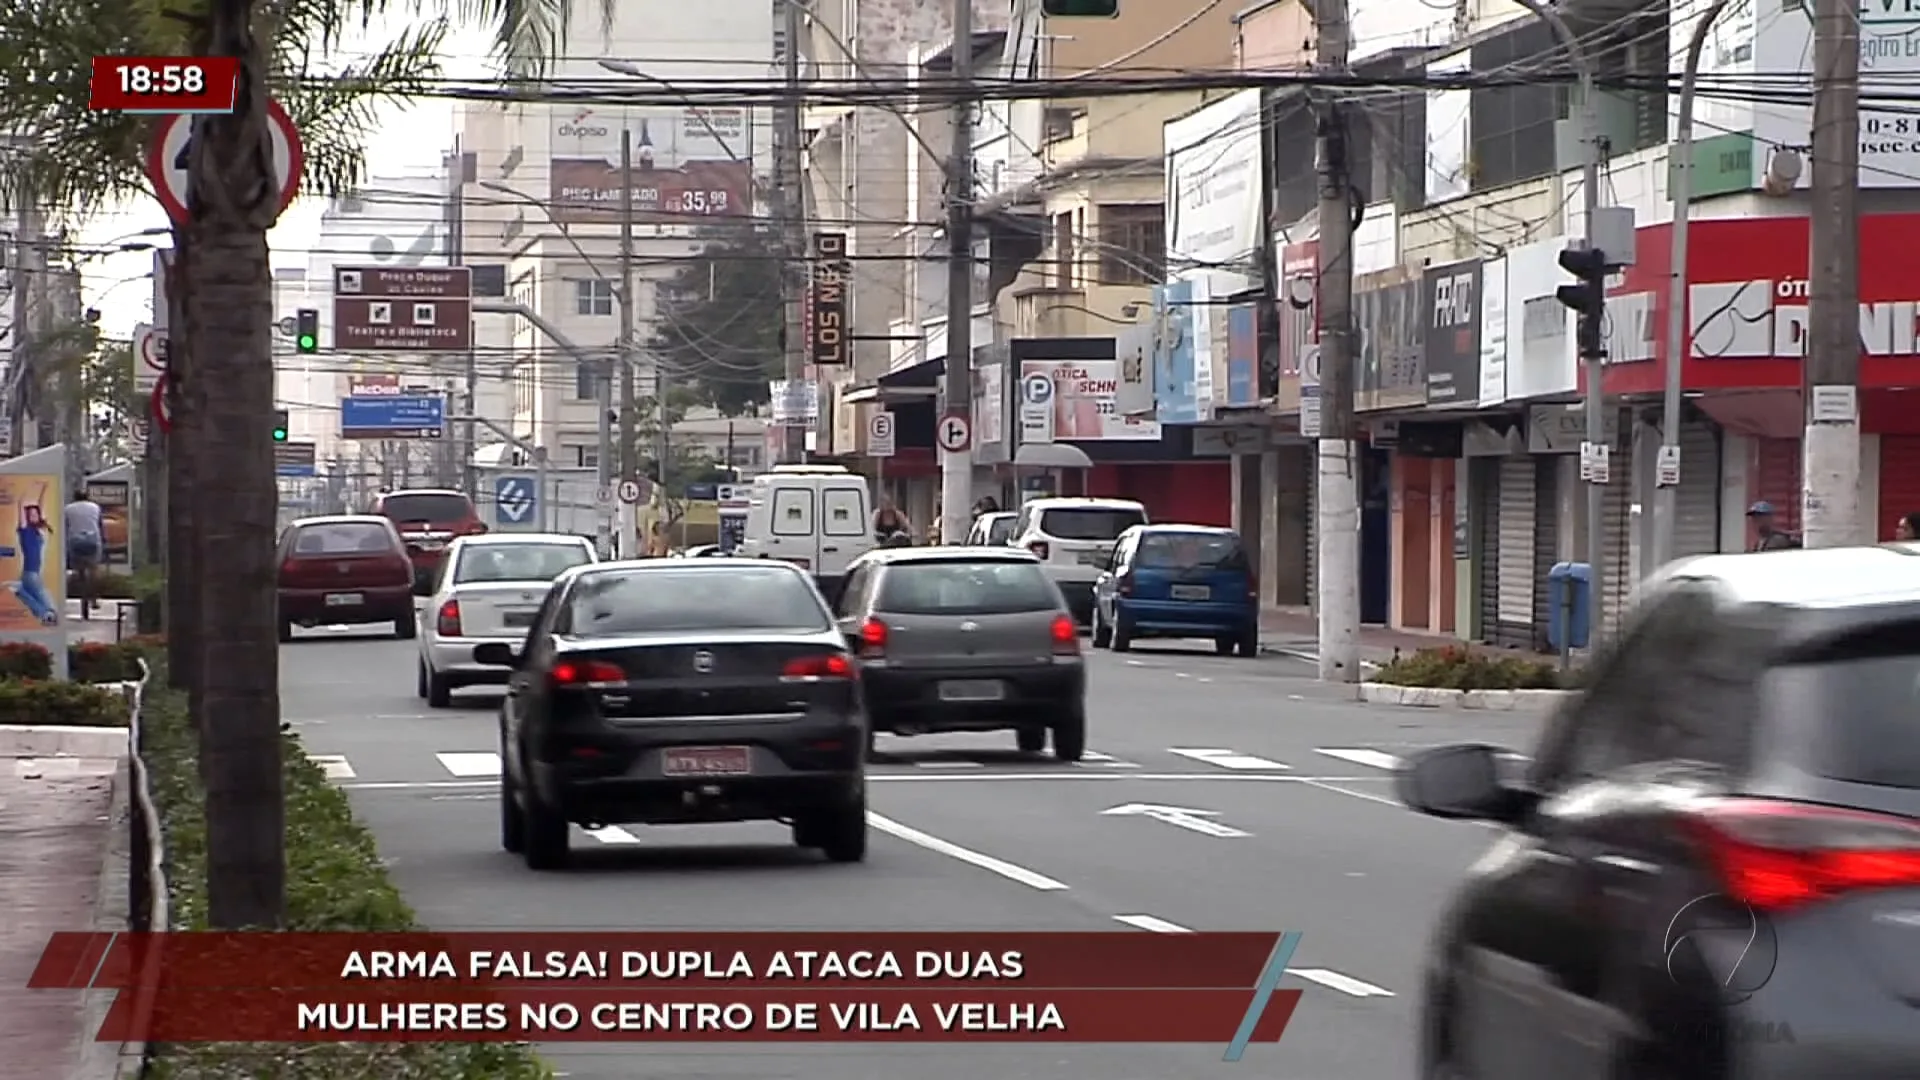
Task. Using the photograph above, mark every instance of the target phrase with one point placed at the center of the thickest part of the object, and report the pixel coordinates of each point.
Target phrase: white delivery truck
(817, 517)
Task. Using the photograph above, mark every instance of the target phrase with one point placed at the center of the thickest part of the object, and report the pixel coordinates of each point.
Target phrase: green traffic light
(308, 344)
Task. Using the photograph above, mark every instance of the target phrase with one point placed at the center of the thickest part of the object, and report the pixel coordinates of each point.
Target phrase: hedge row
(335, 881)
(1456, 667)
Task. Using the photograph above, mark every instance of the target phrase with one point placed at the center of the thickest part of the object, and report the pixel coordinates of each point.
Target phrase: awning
(911, 383)
(1051, 456)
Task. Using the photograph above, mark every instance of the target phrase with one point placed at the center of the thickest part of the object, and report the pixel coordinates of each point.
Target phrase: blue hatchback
(1178, 581)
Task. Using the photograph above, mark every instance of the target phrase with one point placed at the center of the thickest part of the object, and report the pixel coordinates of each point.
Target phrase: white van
(1074, 537)
(817, 517)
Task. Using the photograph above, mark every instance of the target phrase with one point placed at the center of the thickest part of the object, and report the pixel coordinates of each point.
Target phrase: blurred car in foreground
(966, 639)
(344, 570)
(1178, 581)
(488, 589)
(668, 691)
(1712, 868)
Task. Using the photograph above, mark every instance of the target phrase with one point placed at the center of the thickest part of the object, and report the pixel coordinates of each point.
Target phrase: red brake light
(287, 567)
(1066, 636)
(873, 638)
(586, 672)
(1125, 585)
(448, 622)
(1039, 549)
(1778, 855)
(828, 666)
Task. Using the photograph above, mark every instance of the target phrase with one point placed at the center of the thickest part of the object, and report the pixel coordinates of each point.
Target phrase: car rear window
(342, 538)
(986, 587)
(1089, 523)
(517, 562)
(1192, 551)
(1865, 690)
(662, 600)
(438, 509)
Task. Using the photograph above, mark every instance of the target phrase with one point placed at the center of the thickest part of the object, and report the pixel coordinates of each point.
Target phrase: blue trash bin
(1569, 594)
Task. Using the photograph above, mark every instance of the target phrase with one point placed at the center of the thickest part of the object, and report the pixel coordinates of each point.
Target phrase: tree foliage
(720, 323)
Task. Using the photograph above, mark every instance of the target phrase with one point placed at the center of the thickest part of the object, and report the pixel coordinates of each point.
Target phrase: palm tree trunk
(229, 318)
(183, 543)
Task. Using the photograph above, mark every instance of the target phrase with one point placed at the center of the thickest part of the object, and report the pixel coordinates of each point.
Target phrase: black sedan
(676, 692)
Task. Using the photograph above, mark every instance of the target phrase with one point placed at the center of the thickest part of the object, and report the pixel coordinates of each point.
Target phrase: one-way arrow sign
(1200, 821)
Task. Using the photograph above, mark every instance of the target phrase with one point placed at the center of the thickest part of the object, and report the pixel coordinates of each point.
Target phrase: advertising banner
(1450, 307)
(688, 163)
(1085, 401)
(33, 565)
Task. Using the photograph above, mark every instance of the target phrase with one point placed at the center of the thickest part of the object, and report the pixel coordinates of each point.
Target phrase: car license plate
(344, 599)
(707, 761)
(516, 618)
(972, 690)
(1191, 592)
(1094, 558)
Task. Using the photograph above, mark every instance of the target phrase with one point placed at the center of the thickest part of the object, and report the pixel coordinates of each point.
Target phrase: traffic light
(1589, 297)
(279, 425)
(306, 330)
(1089, 9)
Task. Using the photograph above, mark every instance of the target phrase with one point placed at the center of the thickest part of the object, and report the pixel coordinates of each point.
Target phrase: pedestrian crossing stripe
(1372, 759)
(485, 764)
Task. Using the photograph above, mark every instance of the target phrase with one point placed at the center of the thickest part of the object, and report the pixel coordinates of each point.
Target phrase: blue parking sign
(515, 498)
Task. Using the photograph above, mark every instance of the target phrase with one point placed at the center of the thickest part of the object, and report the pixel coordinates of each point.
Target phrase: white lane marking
(1330, 786)
(613, 834)
(1373, 759)
(948, 764)
(1152, 923)
(471, 764)
(334, 765)
(1225, 759)
(1180, 817)
(1096, 759)
(1030, 878)
(970, 778)
(1346, 984)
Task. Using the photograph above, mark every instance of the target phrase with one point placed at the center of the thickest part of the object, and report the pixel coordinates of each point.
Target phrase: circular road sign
(880, 426)
(1036, 389)
(162, 412)
(629, 491)
(152, 347)
(603, 496)
(955, 434)
(167, 159)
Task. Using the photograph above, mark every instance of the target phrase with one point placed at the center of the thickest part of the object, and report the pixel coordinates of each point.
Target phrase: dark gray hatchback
(1712, 869)
(966, 639)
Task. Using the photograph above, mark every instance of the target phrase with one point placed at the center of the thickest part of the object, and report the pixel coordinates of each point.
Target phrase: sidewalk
(1293, 631)
(60, 869)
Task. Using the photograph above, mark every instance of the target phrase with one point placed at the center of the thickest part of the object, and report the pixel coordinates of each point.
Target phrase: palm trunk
(183, 544)
(229, 317)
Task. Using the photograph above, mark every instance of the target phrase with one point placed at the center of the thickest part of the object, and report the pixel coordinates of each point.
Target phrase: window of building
(1063, 251)
(585, 382)
(1512, 126)
(592, 296)
(1133, 243)
(586, 457)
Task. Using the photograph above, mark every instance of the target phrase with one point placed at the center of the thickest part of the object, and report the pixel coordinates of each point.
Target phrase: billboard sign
(390, 416)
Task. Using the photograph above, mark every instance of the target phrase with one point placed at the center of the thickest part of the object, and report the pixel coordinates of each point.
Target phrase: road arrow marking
(1200, 821)
(1225, 759)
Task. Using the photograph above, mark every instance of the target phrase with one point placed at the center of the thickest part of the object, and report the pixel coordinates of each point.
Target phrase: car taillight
(1039, 549)
(1066, 636)
(448, 622)
(586, 673)
(873, 638)
(287, 568)
(1125, 585)
(1779, 855)
(828, 666)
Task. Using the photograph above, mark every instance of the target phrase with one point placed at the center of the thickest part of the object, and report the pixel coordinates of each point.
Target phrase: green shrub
(25, 660)
(1456, 667)
(66, 704)
(335, 881)
(103, 662)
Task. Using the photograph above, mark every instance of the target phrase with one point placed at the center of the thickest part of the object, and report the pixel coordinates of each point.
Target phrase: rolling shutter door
(1483, 476)
(1514, 578)
(1312, 460)
(1545, 543)
(1899, 481)
(1777, 480)
(1616, 566)
(1698, 499)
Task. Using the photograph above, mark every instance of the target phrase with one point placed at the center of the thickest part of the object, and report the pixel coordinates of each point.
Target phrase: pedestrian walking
(1766, 533)
(86, 544)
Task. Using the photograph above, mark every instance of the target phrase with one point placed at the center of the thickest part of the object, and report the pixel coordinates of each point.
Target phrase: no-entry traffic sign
(167, 159)
(955, 434)
(162, 411)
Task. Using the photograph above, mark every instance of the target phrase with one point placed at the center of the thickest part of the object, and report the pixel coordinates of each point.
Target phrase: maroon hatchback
(350, 570)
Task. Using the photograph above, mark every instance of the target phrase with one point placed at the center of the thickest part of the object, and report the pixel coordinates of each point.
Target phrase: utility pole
(603, 382)
(956, 467)
(1830, 510)
(793, 212)
(1337, 499)
(456, 245)
(29, 267)
(629, 450)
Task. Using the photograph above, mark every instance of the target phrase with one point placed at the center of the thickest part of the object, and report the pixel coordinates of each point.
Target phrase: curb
(51, 740)
(108, 1060)
(1432, 697)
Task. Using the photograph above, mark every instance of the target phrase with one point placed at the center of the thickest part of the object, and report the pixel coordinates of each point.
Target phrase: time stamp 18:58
(164, 84)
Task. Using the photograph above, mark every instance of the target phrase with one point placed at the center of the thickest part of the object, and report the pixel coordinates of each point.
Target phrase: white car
(488, 589)
(1074, 537)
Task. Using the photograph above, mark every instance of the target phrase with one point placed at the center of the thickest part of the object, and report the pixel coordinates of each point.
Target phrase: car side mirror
(1469, 782)
(495, 654)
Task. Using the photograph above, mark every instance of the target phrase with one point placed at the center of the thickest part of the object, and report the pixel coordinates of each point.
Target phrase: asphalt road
(1289, 824)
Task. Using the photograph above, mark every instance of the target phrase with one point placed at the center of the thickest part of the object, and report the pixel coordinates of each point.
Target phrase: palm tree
(75, 159)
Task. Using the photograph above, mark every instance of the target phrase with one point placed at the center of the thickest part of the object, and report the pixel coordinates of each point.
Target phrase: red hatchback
(429, 520)
(346, 570)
